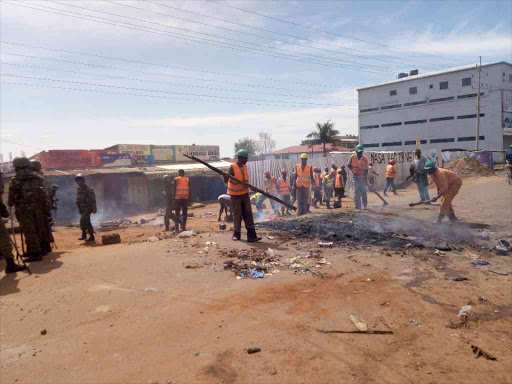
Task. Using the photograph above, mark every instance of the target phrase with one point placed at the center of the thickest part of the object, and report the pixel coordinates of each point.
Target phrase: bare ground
(167, 311)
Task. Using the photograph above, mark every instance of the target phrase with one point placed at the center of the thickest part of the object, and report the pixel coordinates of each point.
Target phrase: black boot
(84, 236)
(34, 256)
(252, 237)
(12, 267)
(236, 236)
(452, 217)
(91, 238)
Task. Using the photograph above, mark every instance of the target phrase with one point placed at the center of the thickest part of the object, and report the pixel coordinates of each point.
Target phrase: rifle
(256, 189)
(15, 245)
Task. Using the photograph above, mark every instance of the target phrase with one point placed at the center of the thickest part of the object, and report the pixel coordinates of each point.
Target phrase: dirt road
(168, 311)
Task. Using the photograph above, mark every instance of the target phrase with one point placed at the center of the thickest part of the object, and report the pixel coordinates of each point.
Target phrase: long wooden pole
(256, 189)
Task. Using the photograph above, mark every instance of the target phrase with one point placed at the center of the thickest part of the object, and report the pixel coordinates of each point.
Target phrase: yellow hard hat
(304, 156)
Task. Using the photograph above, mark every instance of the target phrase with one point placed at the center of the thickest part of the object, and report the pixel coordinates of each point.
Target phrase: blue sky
(203, 72)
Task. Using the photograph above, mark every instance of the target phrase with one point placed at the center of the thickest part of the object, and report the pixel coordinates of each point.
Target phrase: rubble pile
(467, 167)
(243, 260)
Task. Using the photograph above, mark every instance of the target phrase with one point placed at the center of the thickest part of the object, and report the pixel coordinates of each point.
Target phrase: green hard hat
(21, 162)
(430, 164)
(243, 153)
(35, 165)
(359, 147)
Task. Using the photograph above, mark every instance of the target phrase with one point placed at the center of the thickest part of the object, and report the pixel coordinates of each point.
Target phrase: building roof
(304, 148)
(436, 73)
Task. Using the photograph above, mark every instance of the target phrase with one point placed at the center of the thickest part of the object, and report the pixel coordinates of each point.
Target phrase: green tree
(246, 143)
(324, 134)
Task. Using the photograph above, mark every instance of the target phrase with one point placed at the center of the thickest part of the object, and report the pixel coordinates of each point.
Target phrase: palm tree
(324, 134)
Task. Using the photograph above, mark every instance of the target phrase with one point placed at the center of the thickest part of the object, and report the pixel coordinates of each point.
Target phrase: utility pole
(478, 108)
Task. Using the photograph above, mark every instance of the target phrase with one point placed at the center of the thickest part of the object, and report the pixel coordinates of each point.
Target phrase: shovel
(420, 203)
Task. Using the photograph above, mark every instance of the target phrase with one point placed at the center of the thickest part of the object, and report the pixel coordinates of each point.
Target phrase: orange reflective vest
(270, 185)
(284, 187)
(390, 171)
(235, 189)
(359, 169)
(303, 176)
(339, 181)
(317, 180)
(182, 188)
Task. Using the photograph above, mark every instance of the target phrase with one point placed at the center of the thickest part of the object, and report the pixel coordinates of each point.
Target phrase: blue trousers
(360, 192)
(423, 190)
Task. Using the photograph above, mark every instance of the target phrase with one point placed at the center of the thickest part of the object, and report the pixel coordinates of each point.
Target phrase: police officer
(86, 203)
(46, 234)
(27, 194)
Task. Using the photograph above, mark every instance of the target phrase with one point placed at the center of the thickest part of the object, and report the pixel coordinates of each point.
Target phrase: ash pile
(364, 230)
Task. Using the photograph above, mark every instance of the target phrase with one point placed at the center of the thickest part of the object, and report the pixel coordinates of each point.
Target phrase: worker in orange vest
(284, 191)
(339, 187)
(271, 188)
(390, 177)
(303, 183)
(358, 164)
(240, 198)
(317, 187)
(181, 197)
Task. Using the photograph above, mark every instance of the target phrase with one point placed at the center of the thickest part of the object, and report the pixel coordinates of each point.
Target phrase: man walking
(448, 184)
(271, 187)
(421, 176)
(27, 195)
(181, 197)
(302, 184)
(240, 198)
(46, 216)
(284, 191)
(390, 177)
(339, 187)
(86, 203)
(358, 164)
(317, 187)
(328, 183)
(168, 195)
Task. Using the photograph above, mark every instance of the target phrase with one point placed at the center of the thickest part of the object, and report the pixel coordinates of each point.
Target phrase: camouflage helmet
(35, 165)
(21, 162)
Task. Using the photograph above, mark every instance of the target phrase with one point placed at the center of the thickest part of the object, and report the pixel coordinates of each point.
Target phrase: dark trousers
(302, 200)
(286, 199)
(169, 215)
(390, 183)
(85, 222)
(242, 210)
(317, 195)
(181, 205)
(360, 192)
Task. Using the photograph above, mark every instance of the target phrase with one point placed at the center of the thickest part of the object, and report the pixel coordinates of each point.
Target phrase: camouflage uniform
(46, 232)
(28, 196)
(5, 242)
(168, 195)
(86, 203)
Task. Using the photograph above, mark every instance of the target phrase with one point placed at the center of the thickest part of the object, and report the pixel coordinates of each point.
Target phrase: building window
(391, 124)
(392, 144)
(371, 145)
(470, 138)
(391, 106)
(442, 99)
(433, 141)
(413, 142)
(442, 118)
(431, 86)
(393, 93)
(285, 157)
(415, 122)
(469, 116)
(413, 90)
(369, 126)
(443, 85)
(510, 78)
(369, 110)
(415, 103)
(466, 81)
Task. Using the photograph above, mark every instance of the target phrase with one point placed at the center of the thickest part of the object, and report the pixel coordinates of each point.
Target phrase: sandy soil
(168, 312)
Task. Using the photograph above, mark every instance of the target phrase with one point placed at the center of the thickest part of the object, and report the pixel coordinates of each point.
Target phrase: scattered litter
(499, 273)
(222, 227)
(271, 237)
(308, 291)
(239, 277)
(459, 279)
(256, 274)
(276, 271)
(412, 320)
(142, 221)
(151, 290)
(368, 332)
(186, 234)
(385, 303)
(370, 279)
(484, 235)
(250, 351)
(502, 248)
(113, 238)
(153, 238)
(270, 252)
(360, 325)
(438, 252)
(480, 352)
(326, 245)
(197, 205)
(465, 311)
(43, 332)
(481, 298)
(206, 214)
(480, 262)
(408, 245)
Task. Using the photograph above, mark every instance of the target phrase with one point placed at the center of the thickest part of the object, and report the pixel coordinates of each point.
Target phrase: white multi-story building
(439, 109)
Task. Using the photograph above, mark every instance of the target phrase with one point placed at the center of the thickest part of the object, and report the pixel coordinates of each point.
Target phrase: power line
(169, 92)
(173, 67)
(287, 35)
(330, 33)
(220, 37)
(154, 73)
(193, 38)
(152, 96)
(156, 81)
(23, 145)
(255, 35)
